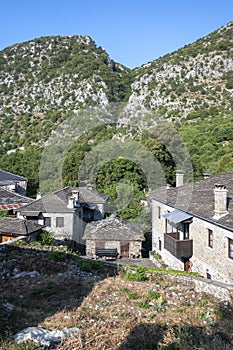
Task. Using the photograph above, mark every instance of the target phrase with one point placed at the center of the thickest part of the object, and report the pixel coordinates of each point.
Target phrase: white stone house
(13, 182)
(66, 212)
(192, 226)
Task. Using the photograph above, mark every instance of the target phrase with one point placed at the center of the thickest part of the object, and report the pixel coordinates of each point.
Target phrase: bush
(45, 238)
(88, 265)
(139, 275)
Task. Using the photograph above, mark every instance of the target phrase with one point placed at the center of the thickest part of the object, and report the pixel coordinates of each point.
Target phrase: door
(124, 249)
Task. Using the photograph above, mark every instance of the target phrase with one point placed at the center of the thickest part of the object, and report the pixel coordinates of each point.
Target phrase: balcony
(178, 248)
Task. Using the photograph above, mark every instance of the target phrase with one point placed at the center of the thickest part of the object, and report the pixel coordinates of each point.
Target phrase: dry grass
(113, 313)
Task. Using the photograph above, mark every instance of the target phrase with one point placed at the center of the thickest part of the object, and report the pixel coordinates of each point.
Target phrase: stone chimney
(220, 201)
(75, 195)
(179, 178)
(38, 196)
(70, 204)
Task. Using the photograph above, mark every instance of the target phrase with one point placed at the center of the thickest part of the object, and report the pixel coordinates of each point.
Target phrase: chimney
(38, 196)
(220, 201)
(206, 176)
(179, 178)
(90, 187)
(70, 204)
(75, 195)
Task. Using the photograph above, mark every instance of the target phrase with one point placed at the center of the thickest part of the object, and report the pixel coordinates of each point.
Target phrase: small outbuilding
(11, 228)
(114, 233)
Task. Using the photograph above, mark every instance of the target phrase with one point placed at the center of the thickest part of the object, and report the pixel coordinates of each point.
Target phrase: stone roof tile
(198, 198)
(114, 228)
(18, 226)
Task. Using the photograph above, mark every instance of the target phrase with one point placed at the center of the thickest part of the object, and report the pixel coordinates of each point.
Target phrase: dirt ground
(112, 311)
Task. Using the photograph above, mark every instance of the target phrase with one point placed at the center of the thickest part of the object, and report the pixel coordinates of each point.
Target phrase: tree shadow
(143, 337)
(51, 282)
(161, 337)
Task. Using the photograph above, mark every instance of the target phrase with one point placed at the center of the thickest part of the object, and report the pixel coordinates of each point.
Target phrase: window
(159, 212)
(160, 244)
(230, 248)
(166, 223)
(186, 230)
(47, 222)
(59, 222)
(210, 238)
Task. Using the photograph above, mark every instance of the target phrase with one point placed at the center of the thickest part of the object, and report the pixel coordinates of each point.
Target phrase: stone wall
(59, 232)
(221, 291)
(134, 247)
(212, 261)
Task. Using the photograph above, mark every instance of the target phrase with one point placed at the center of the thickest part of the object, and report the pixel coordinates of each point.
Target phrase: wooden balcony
(178, 248)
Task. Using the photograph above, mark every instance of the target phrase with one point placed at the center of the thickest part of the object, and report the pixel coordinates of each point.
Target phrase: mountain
(195, 81)
(43, 80)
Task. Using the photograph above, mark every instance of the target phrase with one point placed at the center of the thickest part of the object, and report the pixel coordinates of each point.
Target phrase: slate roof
(197, 198)
(114, 229)
(18, 226)
(86, 195)
(56, 202)
(7, 176)
(11, 200)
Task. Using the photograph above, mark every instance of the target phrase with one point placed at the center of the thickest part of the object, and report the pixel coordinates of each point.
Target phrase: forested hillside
(45, 80)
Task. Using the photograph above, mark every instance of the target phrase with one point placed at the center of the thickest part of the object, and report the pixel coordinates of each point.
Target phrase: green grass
(161, 271)
(133, 296)
(143, 305)
(153, 295)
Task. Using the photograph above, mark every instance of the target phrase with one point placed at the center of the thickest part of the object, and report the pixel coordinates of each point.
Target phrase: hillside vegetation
(128, 309)
(45, 80)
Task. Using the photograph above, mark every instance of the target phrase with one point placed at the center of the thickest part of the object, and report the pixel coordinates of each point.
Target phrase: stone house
(11, 228)
(11, 200)
(13, 182)
(192, 226)
(114, 233)
(66, 212)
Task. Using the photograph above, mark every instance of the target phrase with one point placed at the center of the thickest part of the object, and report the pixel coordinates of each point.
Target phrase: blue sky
(132, 31)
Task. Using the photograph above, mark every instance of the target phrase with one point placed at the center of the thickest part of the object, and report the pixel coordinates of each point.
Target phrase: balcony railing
(178, 248)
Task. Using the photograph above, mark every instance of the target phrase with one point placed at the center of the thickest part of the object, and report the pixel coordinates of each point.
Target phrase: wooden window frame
(47, 221)
(59, 221)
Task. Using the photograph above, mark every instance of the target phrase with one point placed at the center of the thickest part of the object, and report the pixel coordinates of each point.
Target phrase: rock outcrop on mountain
(195, 81)
(43, 80)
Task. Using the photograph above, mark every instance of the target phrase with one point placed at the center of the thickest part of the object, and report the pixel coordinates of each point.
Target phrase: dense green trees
(25, 163)
(210, 144)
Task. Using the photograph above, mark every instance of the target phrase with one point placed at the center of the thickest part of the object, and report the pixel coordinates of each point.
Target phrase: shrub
(45, 238)
(156, 256)
(88, 265)
(57, 256)
(139, 275)
(3, 213)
